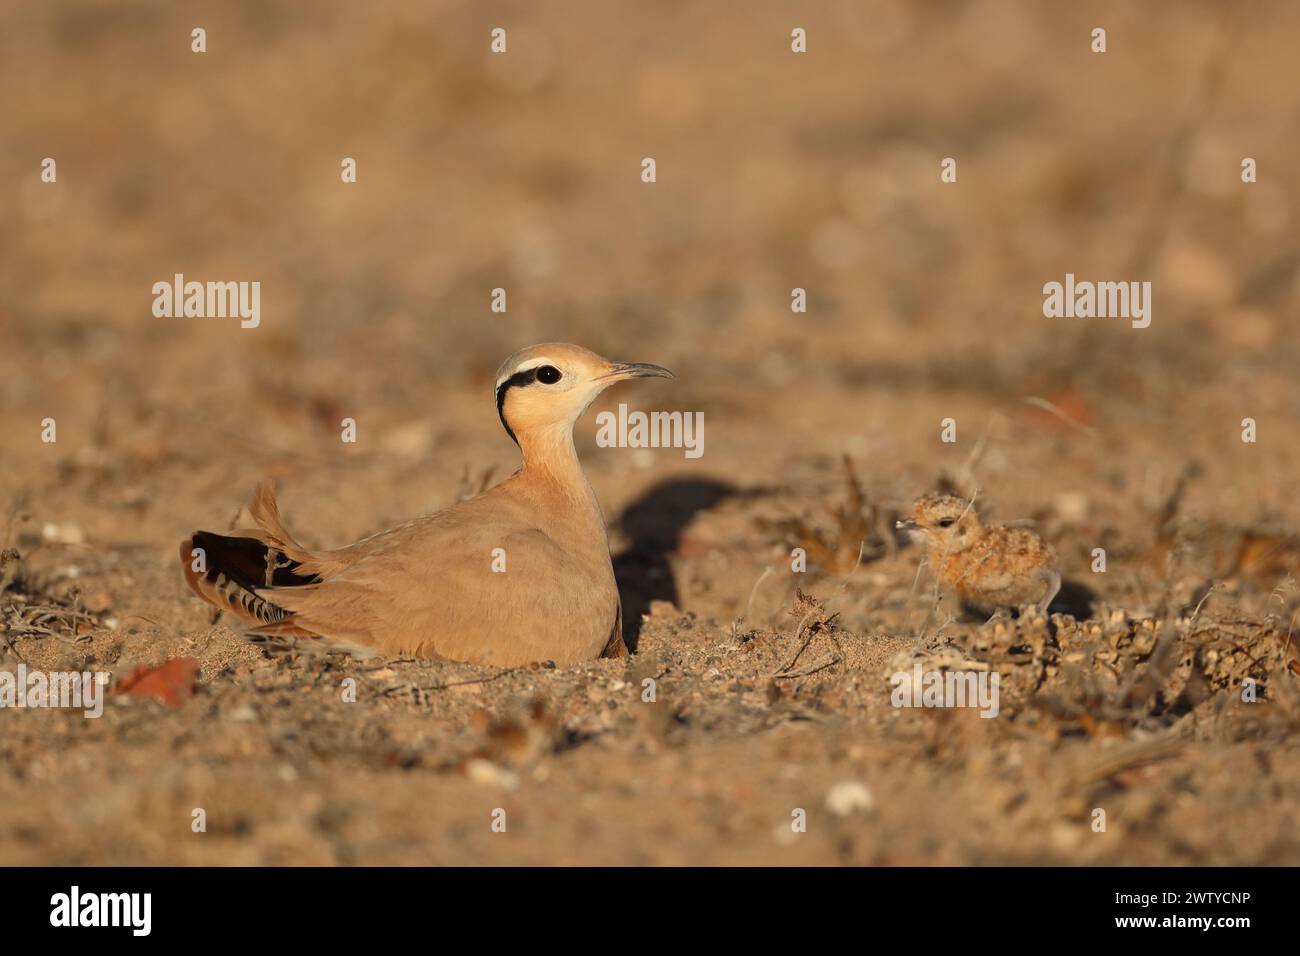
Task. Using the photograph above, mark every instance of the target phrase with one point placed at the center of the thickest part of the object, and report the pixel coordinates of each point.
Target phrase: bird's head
(943, 521)
(548, 386)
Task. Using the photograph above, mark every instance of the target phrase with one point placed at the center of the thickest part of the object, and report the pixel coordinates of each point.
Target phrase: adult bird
(520, 573)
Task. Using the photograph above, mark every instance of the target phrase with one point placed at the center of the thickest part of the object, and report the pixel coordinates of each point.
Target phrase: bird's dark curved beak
(621, 370)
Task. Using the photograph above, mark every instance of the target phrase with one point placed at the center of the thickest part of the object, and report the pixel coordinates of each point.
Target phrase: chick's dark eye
(946, 522)
(548, 375)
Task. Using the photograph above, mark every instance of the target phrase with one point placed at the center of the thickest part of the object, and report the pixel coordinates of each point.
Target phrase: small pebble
(849, 797)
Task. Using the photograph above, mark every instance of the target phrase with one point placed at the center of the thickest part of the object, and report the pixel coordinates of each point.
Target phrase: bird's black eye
(946, 522)
(548, 375)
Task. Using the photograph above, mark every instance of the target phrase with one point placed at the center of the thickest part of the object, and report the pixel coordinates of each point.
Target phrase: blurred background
(522, 171)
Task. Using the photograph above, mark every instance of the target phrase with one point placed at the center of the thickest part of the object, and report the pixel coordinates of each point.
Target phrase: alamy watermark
(1100, 300)
(75, 908)
(209, 300)
(79, 690)
(922, 688)
(651, 430)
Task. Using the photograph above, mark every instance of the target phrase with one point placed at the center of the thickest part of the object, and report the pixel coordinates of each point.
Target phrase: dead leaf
(172, 683)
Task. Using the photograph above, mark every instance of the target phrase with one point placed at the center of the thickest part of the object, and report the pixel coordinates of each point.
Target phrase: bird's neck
(551, 468)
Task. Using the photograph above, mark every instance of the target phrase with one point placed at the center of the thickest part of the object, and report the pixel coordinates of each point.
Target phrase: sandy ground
(775, 171)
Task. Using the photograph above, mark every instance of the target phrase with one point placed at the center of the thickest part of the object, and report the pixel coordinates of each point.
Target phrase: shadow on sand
(653, 523)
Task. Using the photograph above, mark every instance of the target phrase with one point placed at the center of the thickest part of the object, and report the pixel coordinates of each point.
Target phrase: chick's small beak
(619, 371)
(906, 524)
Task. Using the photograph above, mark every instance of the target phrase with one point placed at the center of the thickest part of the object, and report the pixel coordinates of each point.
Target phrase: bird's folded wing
(449, 594)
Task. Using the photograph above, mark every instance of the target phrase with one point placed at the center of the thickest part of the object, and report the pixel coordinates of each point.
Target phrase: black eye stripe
(524, 377)
(520, 379)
